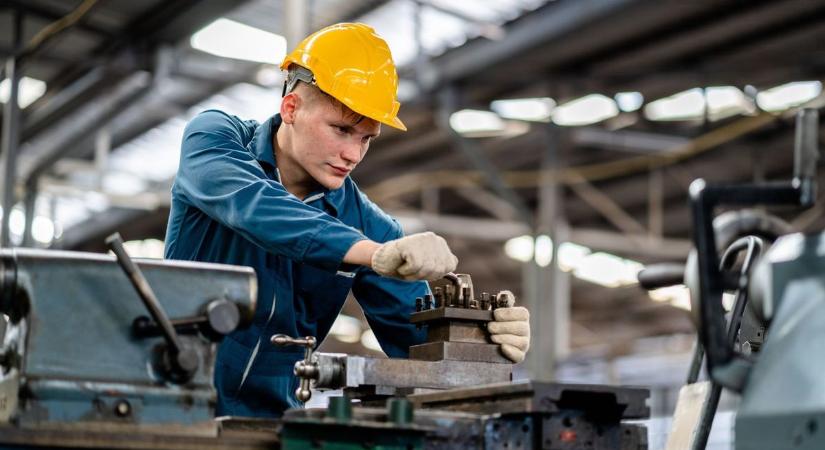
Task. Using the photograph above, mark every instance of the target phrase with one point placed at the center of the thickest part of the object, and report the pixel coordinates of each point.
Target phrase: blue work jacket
(228, 206)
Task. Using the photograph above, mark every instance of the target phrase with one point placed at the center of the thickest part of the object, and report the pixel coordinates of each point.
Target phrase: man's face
(330, 140)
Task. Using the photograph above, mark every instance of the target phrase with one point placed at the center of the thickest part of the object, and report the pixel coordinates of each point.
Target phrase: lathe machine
(103, 352)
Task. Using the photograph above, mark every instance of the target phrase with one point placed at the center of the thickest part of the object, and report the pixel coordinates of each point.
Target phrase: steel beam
(472, 151)
(62, 138)
(628, 141)
(549, 296)
(499, 231)
(530, 31)
(11, 133)
(609, 209)
(655, 203)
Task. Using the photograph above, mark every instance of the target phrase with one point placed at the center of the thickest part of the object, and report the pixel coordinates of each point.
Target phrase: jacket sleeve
(220, 177)
(388, 303)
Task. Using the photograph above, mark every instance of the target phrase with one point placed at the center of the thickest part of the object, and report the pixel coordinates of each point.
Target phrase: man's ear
(289, 106)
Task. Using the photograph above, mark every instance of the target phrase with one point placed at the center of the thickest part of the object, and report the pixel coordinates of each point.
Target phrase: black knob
(223, 316)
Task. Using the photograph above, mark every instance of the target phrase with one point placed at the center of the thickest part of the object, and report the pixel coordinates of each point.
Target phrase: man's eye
(341, 130)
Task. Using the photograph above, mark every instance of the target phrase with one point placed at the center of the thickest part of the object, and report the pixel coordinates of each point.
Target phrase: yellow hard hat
(353, 65)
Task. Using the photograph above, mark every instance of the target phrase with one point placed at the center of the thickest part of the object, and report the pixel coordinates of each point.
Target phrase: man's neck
(295, 180)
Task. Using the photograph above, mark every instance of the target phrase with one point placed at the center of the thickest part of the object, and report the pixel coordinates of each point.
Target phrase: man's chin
(333, 183)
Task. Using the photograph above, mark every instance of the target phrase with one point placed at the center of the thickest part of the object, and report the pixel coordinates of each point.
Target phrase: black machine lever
(179, 362)
(220, 318)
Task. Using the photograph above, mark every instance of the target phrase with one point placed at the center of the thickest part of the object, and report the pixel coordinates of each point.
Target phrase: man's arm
(361, 253)
(220, 177)
(388, 302)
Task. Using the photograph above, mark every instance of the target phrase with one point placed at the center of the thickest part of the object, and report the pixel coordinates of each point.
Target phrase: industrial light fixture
(29, 90)
(677, 296)
(683, 105)
(572, 255)
(725, 101)
(629, 101)
(520, 248)
(608, 270)
(145, 248)
(718, 102)
(43, 229)
(543, 250)
(269, 76)
(474, 123)
(596, 267)
(230, 39)
(782, 97)
(530, 109)
(586, 110)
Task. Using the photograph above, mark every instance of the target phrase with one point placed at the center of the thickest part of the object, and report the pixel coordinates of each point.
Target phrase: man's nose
(351, 153)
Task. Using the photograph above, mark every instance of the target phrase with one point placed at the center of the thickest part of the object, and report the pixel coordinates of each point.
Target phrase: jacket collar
(261, 146)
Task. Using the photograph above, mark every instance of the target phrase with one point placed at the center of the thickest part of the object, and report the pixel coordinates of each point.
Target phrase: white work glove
(421, 256)
(511, 328)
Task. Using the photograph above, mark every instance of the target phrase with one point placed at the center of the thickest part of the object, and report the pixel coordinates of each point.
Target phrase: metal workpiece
(459, 351)
(344, 371)
(70, 352)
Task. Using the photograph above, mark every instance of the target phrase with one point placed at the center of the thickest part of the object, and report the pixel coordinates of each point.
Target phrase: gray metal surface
(71, 344)
(783, 404)
(451, 313)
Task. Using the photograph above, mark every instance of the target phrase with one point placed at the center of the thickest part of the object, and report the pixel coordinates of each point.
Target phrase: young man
(277, 197)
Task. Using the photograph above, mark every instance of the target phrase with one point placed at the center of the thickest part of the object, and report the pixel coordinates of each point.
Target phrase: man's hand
(511, 329)
(422, 256)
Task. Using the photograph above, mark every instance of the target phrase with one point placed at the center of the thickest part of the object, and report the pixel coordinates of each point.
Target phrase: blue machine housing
(68, 354)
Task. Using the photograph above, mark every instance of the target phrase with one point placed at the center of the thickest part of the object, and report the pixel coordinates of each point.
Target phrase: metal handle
(183, 362)
(219, 318)
(657, 276)
(306, 370)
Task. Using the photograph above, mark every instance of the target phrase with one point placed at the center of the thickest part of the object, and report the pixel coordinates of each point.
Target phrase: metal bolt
(419, 304)
(123, 408)
(465, 297)
(439, 297)
(449, 293)
(340, 409)
(399, 411)
(428, 301)
(485, 300)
